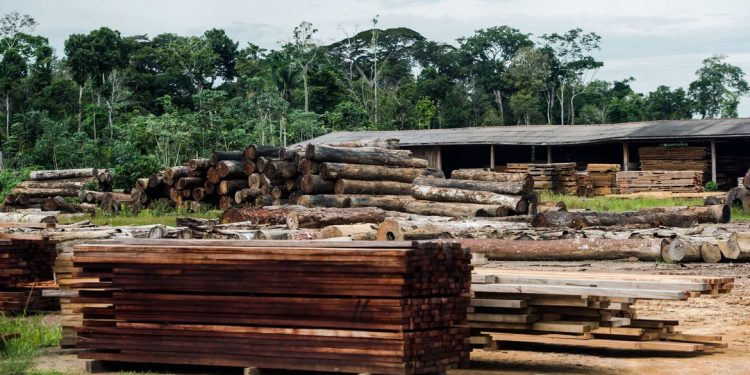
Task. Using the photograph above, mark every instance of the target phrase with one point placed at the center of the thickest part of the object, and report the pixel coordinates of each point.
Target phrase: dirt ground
(726, 314)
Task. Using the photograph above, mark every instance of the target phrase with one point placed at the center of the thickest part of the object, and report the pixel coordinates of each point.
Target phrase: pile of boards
(603, 178)
(559, 178)
(25, 270)
(46, 189)
(363, 307)
(675, 159)
(592, 310)
(664, 180)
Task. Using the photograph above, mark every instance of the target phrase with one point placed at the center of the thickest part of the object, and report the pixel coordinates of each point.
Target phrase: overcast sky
(655, 41)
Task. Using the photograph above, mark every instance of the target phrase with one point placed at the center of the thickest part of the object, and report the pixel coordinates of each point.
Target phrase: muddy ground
(726, 314)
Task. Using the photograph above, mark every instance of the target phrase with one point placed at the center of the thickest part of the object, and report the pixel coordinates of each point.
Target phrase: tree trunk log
(209, 187)
(357, 232)
(680, 250)
(391, 143)
(426, 228)
(57, 174)
(514, 203)
(314, 184)
(710, 253)
(257, 216)
(510, 187)
(385, 202)
(228, 187)
(59, 204)
(280, 169)
(308, 167)
(574, 249)
(322, 200)
(491, 176)
(321, 217)
(345, 186)
(198, 194)
(199, 165)
(230, 169)
(249, 167)
(263, 200)
(334, 171)
(374, 156)
(644, 218)
(155, 180)
(189, 183)
(287, 234)
(44, 193)
(218, 156)
(246, 195)
(37, 217)
(455, 209)
(213, 176)
(77, 183)
(171, 175)
(253, 180)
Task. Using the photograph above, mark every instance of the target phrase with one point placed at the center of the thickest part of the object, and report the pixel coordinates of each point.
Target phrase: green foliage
(605, 204)
(718, 87)
(9, 178)
(425, 109)
(17, 355)
(711, 186)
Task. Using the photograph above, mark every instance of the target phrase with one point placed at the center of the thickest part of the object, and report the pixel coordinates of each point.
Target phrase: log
(155, 180)
(287, 234)
(307, 167)
(76, 183)
(253, 180)
(454, 209)
(230, 169)
(391, 143)
(680, 250)
(346, 186)
(263, 200)
(253, 152)
(212, 175)
(386, 202)
(551, 206)
(276, 169)
(713, 214)
(736, 197)
(357, 232)
(189, 183)
(171, 175)
(334, 171)
(199, 193)
(44, 193)
(228, 187)
(573, 249)
(225, 202)
(316, 218)
(249, 167)
(218, 156)
(743, 242)
(710, 253)
(141, 184)
(291, 153)
(323, 200)
(260, 164)
(58, 174)
(209, 187)
(246, 195)
(198, 164)
(730, 248)
(490, 176)
(59, 204)
(509, 187)
(682, 217)
(514, 203)
(314, 184)
(36, 217)
(258, 216)
(425, 228)
(279, 192)
(374, 156)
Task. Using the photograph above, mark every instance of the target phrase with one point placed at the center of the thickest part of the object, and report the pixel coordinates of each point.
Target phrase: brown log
(57, 174)
(685, 217)
(316, 218)
(228, 187)
(290, 184)
(509, 187)
(425, 228)
(710, 253)
(260, 164)
(334, 171)
(287, 234)
(171, 175)
(314, 184)
(254, 180)
(212, 175)
(175, 195)
(59, 204)
(187, 194)
(36, 217)
(515, 203)
(246, 195)
(322, 200)
(24, 194)
(259, 216)
(386, 202)
(490, 176)
(291, 153)
(280, 169)
(199, 164)
(573, 249)
(218, 156)
(155, 180)
(199, 193)
(454, 209)
(264, 200)
(736, 197)
(230, 169)
(189, 183)
(346, 186)
(713, 214)
(249, 167)
(357, 232)
(225, 202)
(391, 143)
(293, 196)
(209, 187)
(279, 192)
(374, 156)
(76, 183)
(680, 250)
(552, 206)
(307, 167)
(97, 196)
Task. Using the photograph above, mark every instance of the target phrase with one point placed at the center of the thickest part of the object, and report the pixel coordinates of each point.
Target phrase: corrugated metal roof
(673, 130)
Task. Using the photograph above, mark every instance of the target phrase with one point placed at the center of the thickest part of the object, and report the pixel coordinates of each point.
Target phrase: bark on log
(228, 187)
(391, 143)
(551, 206)
(280, 169)
(260, 164)
(44, 193)
(491, 176)
(212, 175)
(316, 218)
(322, 200)
(308, 167)
(198, 194)
(287, 234)
(246, 195)
(57, 174)
(334, 171)
(426, 228)
(713, 214)
(574, 249)
(57, 184)
(385, 202)
(230, 169)
(189, 183)
(59, 204)
(455, 209)
(345, 186)
(685, 217)
(710, 253)
(155, 180)
(291, 153)
(374, 156)
(209, 187)
(736, 196)
(249, 167)
(19, 217)
(253, 180)
(514, 203)
(357, 232)
(218, 156)
(199, 164)
(314, 184)
(171, 175)
(258, 216)
(279, 192)
(263, 200)
(225, 202)
(510, 187)
(680, 250)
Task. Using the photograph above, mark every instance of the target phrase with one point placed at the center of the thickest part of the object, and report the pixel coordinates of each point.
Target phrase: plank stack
(675, 159)
(603, 178)
(592, 310)
(387, 308)
(49, 187)
(25, 269)
(660, 181)
(559, 178)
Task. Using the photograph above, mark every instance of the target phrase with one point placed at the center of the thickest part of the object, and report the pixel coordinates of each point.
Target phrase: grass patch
(17, 355)
(606, 204)
(144, 217)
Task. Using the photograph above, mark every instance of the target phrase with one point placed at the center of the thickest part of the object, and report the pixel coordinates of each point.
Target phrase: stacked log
(662, 181)
(559, 178)
(65, 183)
(603, 178)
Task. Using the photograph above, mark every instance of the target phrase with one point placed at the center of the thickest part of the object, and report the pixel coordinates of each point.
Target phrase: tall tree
(305, 52)
(717, 88)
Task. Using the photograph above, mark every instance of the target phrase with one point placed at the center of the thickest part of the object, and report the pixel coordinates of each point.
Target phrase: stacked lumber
(660, 181)
(362, 307)
(44, 186)
(603, 178)
(558, 178)
(473, 193)
(595, 310)
(25, 269)
(675, 159)
(584, 186)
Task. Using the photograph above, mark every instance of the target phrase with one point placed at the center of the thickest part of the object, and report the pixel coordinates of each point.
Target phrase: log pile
(362, 307)
(675, 159)
(603, 178)
(558, 178)
(594, 310)
(661, 181)
(49, 187)
(25, 269)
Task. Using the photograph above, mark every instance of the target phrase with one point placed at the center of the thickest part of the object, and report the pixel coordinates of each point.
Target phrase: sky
(657, 42)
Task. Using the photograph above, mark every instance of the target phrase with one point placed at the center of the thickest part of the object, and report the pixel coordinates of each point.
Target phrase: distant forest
(137, 103)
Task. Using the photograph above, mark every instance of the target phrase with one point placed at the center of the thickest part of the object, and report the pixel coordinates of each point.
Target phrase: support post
(549, 154)
(439, 158)
(625, 156)
(492, 157)
(713, 161)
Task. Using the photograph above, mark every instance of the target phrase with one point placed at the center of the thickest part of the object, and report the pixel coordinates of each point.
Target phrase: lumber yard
(363, 257)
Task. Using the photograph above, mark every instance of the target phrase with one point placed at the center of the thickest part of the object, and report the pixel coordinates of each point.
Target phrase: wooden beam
(625, 156)
(549, 154)
(492, 157)
(713, 161)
